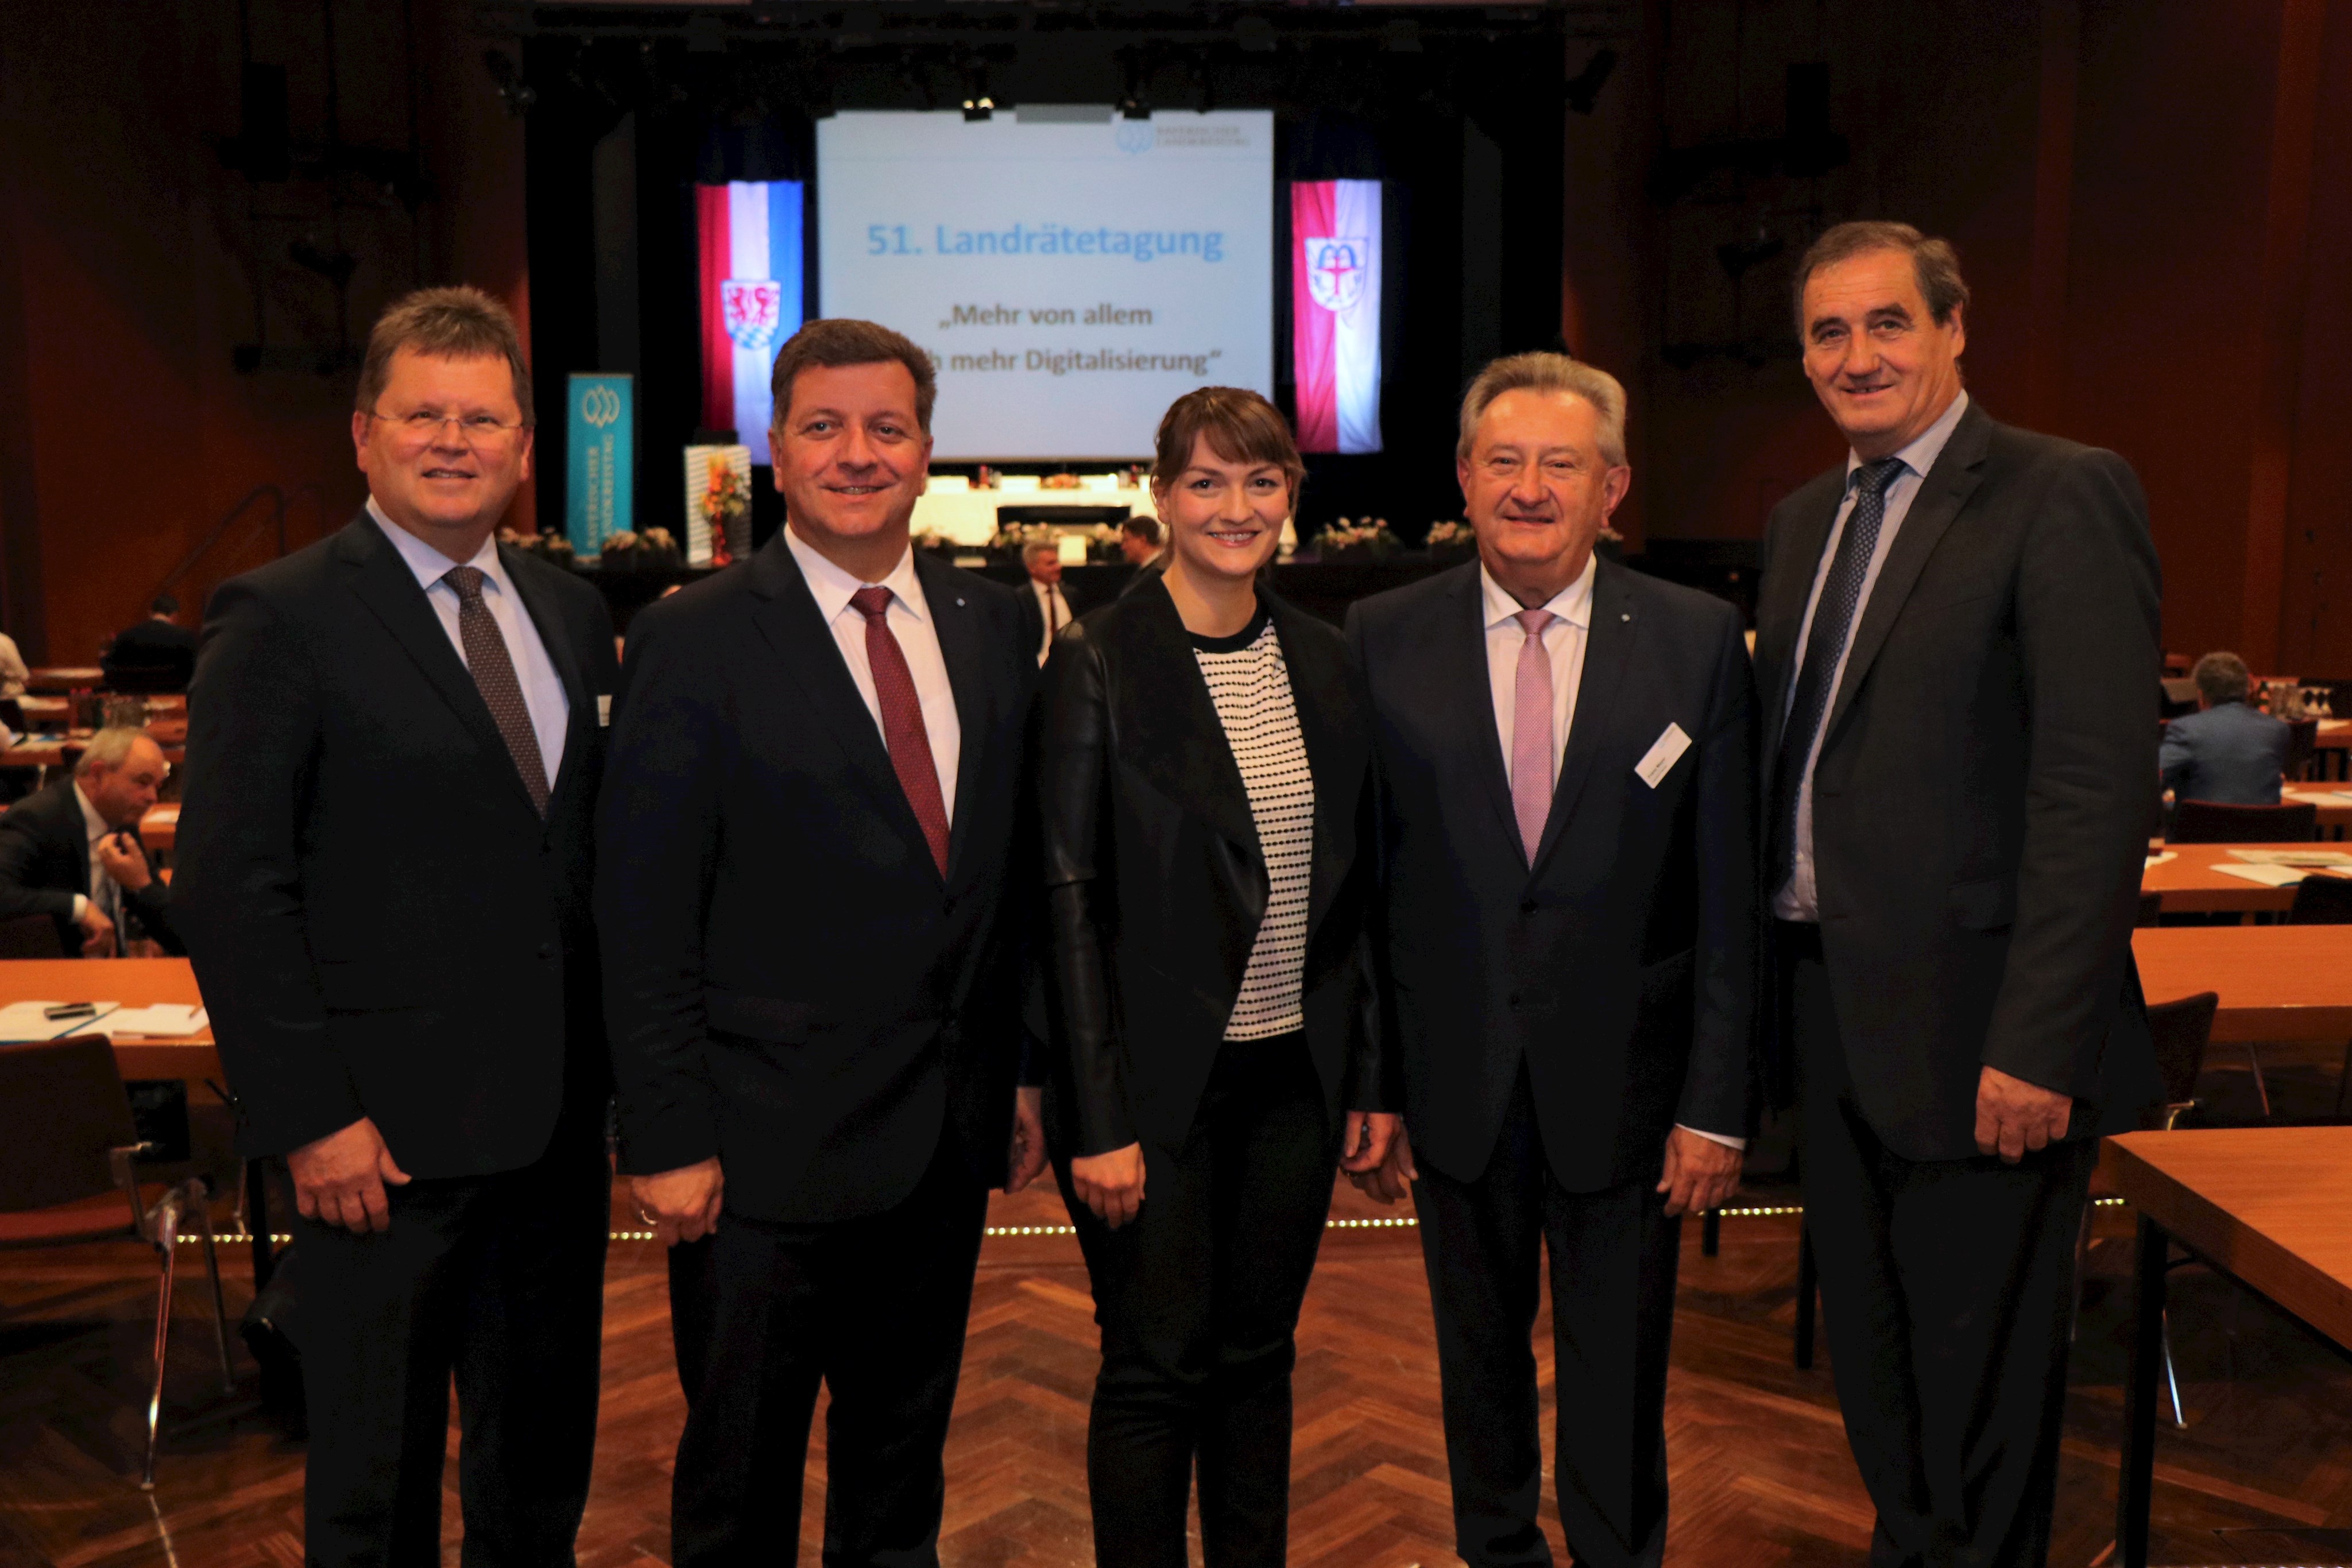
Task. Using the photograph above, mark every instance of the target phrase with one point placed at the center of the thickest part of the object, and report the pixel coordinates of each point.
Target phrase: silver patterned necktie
(494, 677)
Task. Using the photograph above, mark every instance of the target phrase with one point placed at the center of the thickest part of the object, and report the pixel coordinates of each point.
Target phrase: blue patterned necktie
(1832, 625)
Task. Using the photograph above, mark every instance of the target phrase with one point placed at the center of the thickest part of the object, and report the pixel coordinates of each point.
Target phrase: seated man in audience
(1044, 610)
(71, 852)
(159, 654)
(13, 673)
(2226, 751)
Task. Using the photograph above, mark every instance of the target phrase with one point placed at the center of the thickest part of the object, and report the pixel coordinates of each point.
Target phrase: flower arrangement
(934, 542)
(1451, 539)
(726, 504)
(1346, 541)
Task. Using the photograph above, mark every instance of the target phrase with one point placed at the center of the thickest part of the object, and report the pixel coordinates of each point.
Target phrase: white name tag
(1662, 756)
(604, 711)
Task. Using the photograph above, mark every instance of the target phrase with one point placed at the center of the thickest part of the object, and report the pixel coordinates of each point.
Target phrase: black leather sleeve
(1073, 783)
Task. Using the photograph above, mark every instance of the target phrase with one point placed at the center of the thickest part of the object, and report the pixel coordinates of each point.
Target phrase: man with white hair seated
(72, 851)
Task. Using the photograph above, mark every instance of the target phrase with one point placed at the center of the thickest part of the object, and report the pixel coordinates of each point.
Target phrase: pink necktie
(1532, 751)
(902, 721)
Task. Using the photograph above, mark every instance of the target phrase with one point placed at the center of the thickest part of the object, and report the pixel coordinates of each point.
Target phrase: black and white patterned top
(1249, 686)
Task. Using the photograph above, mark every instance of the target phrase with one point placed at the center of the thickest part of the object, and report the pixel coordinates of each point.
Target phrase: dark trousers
(1197, 1300)
(1613, 1255)
(872, 1308)
(1948, 1286)
(499, 1279)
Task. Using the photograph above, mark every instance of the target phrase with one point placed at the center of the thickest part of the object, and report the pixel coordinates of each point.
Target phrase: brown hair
(1548, 373)
(836, 340)
(1239, 425)
(2222, 677)
(1143, 527)
(459, 323)
(1934, 263)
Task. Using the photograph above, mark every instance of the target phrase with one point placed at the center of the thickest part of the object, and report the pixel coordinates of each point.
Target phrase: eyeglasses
(479, 431)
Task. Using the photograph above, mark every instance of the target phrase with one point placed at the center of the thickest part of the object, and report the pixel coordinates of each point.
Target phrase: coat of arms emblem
(751, 309)
(1335, 271)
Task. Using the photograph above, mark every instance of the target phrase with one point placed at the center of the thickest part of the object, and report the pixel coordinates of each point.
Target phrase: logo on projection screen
(1335, 271)
(751, 307)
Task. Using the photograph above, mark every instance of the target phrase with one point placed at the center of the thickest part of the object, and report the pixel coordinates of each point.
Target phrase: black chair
(2321, 899)
(2302, 740)
(30, 936)
(65, 1140)
(2151, 910)
(2210, 822)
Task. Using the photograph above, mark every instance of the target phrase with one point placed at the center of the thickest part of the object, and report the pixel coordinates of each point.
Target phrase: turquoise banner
(599, 500)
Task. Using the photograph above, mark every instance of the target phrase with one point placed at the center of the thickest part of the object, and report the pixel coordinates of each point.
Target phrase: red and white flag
(751, 274)
(1335, 311)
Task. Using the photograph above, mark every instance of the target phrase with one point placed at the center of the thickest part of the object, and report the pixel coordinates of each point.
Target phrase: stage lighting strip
(1759, 1211)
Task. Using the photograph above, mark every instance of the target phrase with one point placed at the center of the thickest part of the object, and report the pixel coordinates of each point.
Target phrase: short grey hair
(1036, 547)
(109, 748)
(1548, 373)
(2222, 677)
(1933, 264)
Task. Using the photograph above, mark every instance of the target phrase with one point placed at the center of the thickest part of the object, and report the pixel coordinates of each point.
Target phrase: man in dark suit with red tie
(1955, 642)
(815, 895)
(384, 869)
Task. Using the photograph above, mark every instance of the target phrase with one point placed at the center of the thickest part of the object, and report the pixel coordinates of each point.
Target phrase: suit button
(546, 950)
(1513, 998)
(1527, 906)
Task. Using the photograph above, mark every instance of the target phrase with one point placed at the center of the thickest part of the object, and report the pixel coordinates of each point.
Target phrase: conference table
(2192, 879)
(2276, 982)
(2332, 803)
(194, 1061)
(2262, 1206)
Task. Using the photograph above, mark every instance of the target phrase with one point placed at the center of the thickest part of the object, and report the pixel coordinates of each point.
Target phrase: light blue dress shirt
(542, 689)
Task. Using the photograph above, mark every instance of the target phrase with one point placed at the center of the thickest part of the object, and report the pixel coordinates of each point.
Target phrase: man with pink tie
(1566, 809)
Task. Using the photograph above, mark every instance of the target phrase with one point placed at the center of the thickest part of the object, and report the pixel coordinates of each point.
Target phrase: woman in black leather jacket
(1205, 771)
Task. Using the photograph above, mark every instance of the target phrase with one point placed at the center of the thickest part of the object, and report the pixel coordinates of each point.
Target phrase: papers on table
(2268, 875)
(163, 1020)
(2306, 858)
(2155, 861)
(23, 1021)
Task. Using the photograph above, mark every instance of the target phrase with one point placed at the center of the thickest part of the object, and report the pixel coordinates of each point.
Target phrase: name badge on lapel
(604, 710)
(1662, 756)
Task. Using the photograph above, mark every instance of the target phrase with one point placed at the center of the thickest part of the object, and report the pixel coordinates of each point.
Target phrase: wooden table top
(2193, 882)
(51, 753)
(133, 982)
(2334, 800)
(2276, 982)
(2333, 735)
(2265, 1203)
(159, 830)
(65, 678)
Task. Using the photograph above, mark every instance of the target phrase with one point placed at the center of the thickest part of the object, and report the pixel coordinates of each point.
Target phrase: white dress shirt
(1796, 899)
(1052, 613)
(98, 829)
(1564, 639)
(542, 689)
(910, 619)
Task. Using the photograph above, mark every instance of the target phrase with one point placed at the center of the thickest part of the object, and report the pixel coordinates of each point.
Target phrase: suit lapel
(1468, 687)
(382, 580)
(969, 676)
(1943, 491)
(789, 619)
(1608, 652)
(1173, 735)
(555, 638)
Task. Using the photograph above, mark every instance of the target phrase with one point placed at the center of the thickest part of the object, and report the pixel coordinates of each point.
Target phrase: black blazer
(1155, 882)
(1987, 778)
(791, 985)
(45, 861)
(152, 657)
(1621, 967)
(381, 924)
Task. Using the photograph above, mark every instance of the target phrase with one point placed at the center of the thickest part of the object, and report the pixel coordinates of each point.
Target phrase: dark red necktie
(902, 721)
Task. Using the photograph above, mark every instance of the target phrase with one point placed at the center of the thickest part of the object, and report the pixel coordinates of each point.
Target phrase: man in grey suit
(1956, 639)
(2225, 751)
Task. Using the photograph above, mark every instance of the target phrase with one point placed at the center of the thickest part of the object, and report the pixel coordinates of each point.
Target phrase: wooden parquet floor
(1761, 1471)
